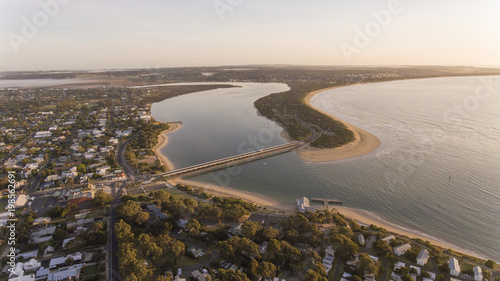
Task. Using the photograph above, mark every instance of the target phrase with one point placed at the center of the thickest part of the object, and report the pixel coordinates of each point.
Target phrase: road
(122, 161)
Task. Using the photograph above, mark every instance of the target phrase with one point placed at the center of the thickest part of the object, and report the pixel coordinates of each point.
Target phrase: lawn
(89, 270)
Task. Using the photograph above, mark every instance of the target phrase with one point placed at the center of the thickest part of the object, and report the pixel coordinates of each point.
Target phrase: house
(303, 204)
(56, 262)
(423, 257)
(235, 229)
(263, 247)
(198, 276)
(102, 170)
(399, 251)
(67, 273)
(42, 272)
(389, 238)
(43, 134)
(21, 201)
(17, 271)
(28, 255)
(478, 273)
(30, 277)
(157, 212)
(361, 239)
(32, 265)
(454, 267)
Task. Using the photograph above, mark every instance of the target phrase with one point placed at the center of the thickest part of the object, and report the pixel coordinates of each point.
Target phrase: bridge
(327, 201)
(232, 161)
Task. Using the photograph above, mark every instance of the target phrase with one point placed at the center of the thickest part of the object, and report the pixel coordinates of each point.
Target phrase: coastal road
(122, 161)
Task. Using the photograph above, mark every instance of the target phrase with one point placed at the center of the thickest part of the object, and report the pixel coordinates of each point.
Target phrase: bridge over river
(232, 161)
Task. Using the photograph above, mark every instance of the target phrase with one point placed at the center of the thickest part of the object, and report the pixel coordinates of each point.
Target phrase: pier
(232, 161)
(326, 202)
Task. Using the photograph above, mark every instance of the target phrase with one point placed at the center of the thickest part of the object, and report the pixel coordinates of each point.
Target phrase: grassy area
(89, 270)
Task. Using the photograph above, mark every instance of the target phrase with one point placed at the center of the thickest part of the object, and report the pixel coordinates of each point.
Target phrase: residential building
(454, 267)
(478, 273)
(399, 251)
(423, 257)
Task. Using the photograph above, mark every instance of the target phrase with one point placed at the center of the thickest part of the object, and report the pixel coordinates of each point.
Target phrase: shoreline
(364, 142)
(162, 142)
(367, 217)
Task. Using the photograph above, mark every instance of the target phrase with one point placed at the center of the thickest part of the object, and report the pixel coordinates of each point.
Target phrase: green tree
(490, 264)
(103, 198)
(270, 233)
(193, 227)
(129, 211)
(123, 232)
(231, 275)
(249, 229)
(176, 249)
(267, 270)
(312, 275)
(141, 217)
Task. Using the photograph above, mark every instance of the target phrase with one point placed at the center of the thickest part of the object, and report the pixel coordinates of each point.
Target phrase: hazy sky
(91, 34)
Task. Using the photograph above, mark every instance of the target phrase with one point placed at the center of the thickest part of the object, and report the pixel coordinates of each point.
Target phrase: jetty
(326, 202)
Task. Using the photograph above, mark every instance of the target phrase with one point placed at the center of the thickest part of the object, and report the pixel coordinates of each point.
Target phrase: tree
(270, 233)
(274, 246)
(231, 275)
(142, 217)
(176, 248)
(252, 269)
(490, 264)
(407, 277)
(103, 198)
(312, 275)
(129, 210)
(356, 278)
(162, 196)
(193, 227)
(123, 232)
(249, 229)
(267, 270)
(149, 248)
(425, 274)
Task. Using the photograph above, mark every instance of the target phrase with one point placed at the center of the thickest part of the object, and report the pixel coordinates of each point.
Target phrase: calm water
(436, 172)
(30, 83)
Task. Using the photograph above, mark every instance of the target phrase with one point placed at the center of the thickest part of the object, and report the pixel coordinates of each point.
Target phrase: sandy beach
(364, 142)
(163, 141)
(369, 218)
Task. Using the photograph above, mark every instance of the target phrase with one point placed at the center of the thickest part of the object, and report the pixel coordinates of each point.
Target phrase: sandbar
(363, 143)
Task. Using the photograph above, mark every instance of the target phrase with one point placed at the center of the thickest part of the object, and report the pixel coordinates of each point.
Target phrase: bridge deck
(233, 160)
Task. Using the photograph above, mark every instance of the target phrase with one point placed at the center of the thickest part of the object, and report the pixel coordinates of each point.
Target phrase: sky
(120, 34)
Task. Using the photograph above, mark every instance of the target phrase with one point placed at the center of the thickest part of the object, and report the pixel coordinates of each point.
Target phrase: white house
(423, 257)
(43, 134)
(32, 265)
(389, 238)
(30, 277)
(102, 170)
(361, 239)
(454, 267)
(399, 251)
(303, 204)
(478, 273)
